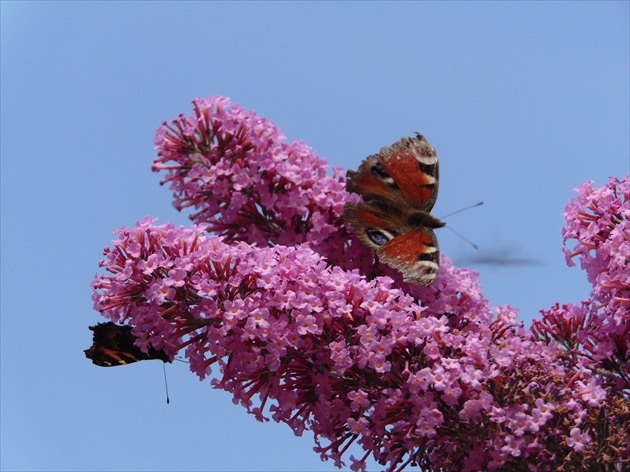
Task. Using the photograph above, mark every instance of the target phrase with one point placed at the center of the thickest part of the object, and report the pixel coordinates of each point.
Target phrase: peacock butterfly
(114, 345)
(399, 186)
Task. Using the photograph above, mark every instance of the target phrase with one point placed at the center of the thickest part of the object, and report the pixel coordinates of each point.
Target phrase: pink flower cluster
(245, 181)
(596, 333)
(276, 308)
(597, 330)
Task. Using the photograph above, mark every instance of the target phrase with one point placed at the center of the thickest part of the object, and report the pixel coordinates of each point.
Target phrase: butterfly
(399, 186)
(114, 345)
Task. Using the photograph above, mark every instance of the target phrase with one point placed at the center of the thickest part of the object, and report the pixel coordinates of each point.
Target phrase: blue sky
(523, 101)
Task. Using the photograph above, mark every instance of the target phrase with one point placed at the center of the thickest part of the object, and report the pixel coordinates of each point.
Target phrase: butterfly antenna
(168, 400)
(462, 209)
(463, 237)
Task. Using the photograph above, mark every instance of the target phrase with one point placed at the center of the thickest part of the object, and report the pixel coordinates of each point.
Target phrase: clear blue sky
(523, 101)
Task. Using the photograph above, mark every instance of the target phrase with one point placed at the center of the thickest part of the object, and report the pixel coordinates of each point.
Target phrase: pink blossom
(498, 459)
(592, 393)
(578, 440)
(513, 445)
(543, 410)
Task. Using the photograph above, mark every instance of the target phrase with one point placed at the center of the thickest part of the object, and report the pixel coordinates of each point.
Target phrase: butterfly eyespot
(380, 172)
(377, 237)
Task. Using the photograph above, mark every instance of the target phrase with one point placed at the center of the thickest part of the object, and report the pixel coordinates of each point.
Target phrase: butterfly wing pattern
(399, 186)
(114, 345)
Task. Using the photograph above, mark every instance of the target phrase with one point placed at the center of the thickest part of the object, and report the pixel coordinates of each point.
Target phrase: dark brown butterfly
(114, 345)
(399, 186)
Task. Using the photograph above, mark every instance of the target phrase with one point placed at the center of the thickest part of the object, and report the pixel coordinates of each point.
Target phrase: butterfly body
(399, 187)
